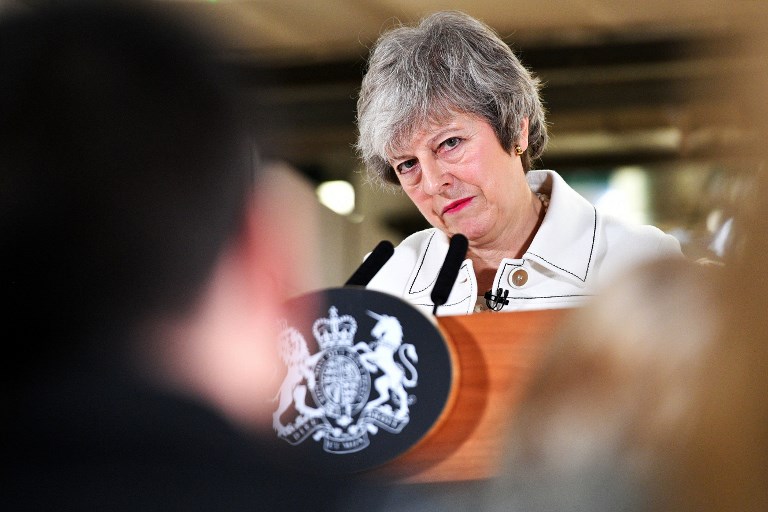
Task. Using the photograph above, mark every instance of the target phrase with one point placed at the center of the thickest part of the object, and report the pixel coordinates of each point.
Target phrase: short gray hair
(449, 63)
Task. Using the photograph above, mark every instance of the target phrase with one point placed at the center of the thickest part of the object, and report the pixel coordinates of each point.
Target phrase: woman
(447, 112)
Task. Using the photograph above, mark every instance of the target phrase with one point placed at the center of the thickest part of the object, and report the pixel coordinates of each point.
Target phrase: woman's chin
(469, 231)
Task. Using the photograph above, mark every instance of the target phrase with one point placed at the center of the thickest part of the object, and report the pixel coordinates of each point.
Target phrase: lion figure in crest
(299, 366)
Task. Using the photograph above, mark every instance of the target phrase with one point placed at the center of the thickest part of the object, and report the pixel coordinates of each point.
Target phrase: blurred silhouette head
(125, 169)
(616, 398)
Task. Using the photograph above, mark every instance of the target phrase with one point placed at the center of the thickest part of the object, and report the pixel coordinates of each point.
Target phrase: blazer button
(518, 278)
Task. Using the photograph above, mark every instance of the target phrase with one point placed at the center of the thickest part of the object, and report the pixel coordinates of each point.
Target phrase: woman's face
(461, 179)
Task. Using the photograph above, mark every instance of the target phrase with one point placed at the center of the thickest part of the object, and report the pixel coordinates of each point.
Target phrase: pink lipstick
(457, 205)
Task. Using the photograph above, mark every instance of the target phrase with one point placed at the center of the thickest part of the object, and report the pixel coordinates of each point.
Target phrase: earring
(518, 150)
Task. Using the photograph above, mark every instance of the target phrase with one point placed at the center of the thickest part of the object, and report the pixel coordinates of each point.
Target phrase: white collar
(565, 242)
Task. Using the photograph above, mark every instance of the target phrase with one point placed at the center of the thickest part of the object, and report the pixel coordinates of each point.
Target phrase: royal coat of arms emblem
(347, 391)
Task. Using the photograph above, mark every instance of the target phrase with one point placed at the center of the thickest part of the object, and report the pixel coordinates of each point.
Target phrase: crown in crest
(334, 330)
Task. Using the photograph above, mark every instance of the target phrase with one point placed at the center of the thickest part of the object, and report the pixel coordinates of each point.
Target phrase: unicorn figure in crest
(389, 339)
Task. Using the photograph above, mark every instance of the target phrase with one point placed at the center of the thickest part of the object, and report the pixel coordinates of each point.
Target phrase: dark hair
(124, 170)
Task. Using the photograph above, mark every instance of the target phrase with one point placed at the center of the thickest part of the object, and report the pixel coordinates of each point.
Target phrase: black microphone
(498, 301)
(457, 251)
(372, 264)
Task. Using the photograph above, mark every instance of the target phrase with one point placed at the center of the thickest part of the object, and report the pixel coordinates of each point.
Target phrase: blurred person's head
(614, 402)
(127, 214)
(725, 465)
(653, 396)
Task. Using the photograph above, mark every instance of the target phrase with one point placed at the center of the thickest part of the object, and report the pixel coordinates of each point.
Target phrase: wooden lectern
(493, 355)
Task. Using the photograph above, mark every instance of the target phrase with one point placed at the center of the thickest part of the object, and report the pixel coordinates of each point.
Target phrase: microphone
(372, 264)
(498, 301)
(457, 251)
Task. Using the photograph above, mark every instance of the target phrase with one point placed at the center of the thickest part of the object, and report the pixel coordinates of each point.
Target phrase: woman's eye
(451, 142)
(406, 166)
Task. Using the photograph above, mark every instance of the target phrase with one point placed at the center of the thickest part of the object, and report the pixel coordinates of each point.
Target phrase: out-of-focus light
(338, 195)
(627, 195)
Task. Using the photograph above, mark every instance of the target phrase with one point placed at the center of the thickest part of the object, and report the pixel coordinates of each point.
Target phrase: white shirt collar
(565, 242)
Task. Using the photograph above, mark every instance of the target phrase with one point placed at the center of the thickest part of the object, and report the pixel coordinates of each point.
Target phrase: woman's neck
(486, 258)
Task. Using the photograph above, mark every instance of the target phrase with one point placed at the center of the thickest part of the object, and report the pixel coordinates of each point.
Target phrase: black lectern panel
(366, 376)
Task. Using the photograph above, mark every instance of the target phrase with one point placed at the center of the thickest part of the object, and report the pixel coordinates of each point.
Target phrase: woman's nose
(435, 178)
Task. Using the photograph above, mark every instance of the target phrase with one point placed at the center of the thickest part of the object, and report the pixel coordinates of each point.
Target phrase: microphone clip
(498, 301)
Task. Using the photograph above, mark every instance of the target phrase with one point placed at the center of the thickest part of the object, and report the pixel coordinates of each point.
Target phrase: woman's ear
(522, 140)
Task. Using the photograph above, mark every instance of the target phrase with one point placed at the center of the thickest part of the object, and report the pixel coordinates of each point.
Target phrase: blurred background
(643, 116)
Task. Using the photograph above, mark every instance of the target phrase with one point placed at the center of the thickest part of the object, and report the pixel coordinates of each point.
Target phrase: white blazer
(576, 251)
